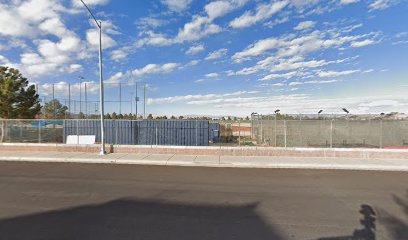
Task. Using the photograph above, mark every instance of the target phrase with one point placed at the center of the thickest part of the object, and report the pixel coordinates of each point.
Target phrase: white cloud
(116, 78)
(346, 2)
(381, 4)
(92, 35)
(381, 103)
(75, 67)
(293, 45)
(278, 85)
(195, 49)
(256, 49)
(305, 25)
(193, 63)
(219, 8)
(196, 99)
(177, 5)
(198, 28)
(154, 68)
(39, 22)
(61, 88)
(273, 64)
(3, 60)
(243, 103)
(262, 12)
(362, 43)
(77, 3)
(312, 82)
(146, 23)
(217, 54)
(301, 4)
(273, 76)
(11, 24)
(336, 73)
(120, 54)
(212, 75)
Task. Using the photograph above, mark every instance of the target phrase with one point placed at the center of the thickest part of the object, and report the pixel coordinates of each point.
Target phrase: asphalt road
(97, 201)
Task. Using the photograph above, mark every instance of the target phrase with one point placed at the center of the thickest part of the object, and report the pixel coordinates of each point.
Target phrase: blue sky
(220, 57)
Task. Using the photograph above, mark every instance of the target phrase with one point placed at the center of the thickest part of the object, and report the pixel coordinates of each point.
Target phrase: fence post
(196, 133)
(77, 128)
(275, 131)
(116, 131)
(39, 131)
(261, 130)
(284, 129)
(381, 133)
(156, 133)
(331, 133)
(239, 132)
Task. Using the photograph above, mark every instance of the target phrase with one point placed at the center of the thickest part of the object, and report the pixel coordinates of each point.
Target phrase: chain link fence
(331, 133)
(327, 133)
(31, 131)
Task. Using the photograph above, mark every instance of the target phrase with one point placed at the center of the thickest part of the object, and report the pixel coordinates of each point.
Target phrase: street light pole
(101, 96)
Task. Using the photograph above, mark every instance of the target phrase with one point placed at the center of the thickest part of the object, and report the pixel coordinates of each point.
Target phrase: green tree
(81, 115)
(114, 116)
(17, 99)
(150, 116)
(120, 116)
(54, 110)
(108, 116)
(181, 117)
(173, 117)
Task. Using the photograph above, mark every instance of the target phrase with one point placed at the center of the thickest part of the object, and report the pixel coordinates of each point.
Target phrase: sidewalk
(210, 161)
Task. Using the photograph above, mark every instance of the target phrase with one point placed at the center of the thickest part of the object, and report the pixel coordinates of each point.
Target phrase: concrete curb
(326, 153)
(272, 165)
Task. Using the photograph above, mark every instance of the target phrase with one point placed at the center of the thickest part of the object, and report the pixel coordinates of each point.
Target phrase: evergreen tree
(54, 110)
(150, 116)
(114, 116)
(108, 116)
(17, 99)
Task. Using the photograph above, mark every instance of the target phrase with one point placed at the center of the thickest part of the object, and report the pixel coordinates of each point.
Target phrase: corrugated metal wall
(144, 132)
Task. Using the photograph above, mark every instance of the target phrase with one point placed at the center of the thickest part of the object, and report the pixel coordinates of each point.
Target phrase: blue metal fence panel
(145, 132)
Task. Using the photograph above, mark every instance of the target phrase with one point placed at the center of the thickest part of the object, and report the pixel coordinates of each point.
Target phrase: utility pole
(144, 101)
(69, 99)
(86, 103)
(80, 93)
(131, 103)
(101, 96)
(136, 100)
(53, 100)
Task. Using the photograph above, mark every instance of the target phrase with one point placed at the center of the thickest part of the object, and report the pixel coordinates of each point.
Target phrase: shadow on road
(367, 232)
(157, 220)
(141, 219)
(396, 227)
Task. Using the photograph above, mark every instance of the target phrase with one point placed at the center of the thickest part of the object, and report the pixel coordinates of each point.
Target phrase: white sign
(80, 139)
